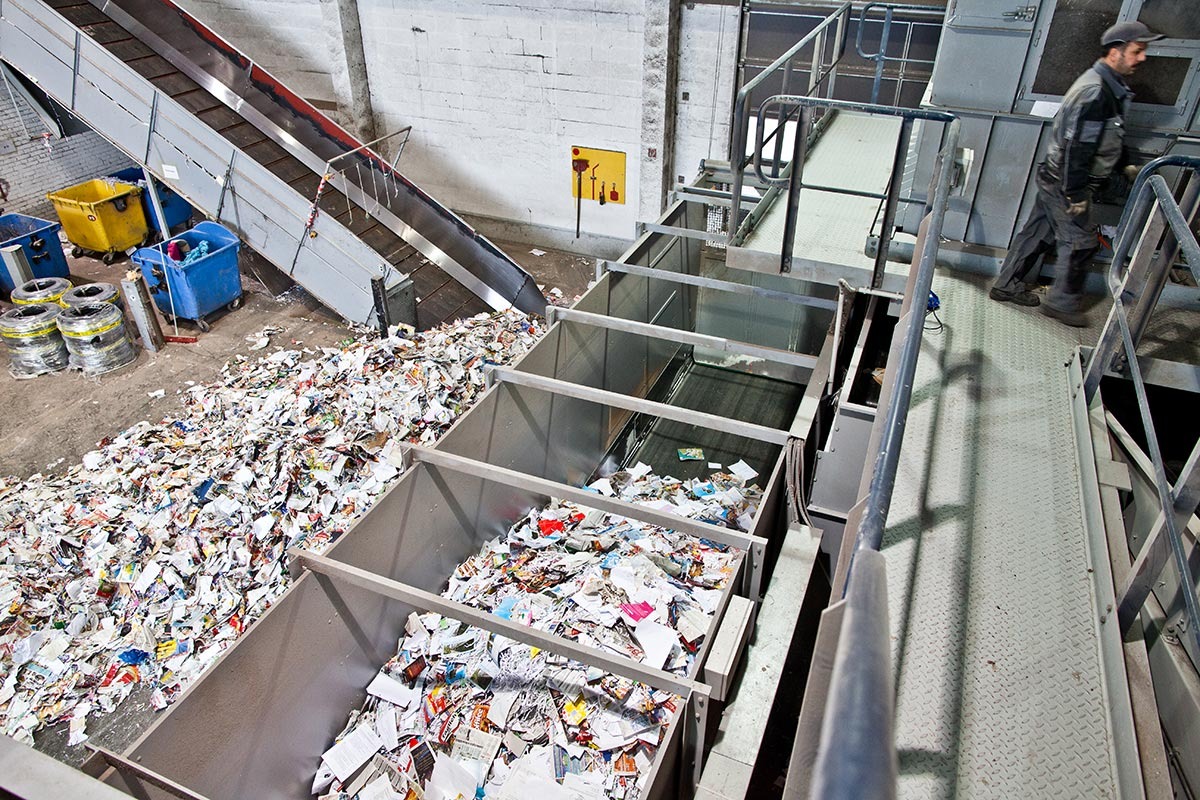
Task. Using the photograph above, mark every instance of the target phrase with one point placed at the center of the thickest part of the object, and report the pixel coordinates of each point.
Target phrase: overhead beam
(748, 430)
(732, 346)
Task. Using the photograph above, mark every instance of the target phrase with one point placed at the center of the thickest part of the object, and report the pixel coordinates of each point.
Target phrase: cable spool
(96, 337)
(40, 290)
(92, 293)
(35, 346)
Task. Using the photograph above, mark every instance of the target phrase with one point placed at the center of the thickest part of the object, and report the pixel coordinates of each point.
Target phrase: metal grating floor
(1000, 689)
(855, 152)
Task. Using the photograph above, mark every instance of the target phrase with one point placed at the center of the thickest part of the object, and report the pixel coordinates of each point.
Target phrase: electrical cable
(92, 293)
(35, 347)
(40, 290)
(931, 309)
(96, 337)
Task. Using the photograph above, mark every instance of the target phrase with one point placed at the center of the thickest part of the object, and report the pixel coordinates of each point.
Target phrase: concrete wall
(497, 92)
(707, 67)
(32, 170)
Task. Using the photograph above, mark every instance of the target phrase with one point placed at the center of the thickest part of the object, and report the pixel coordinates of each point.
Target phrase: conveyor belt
(726, 393)
(999, 678)
(439, 296)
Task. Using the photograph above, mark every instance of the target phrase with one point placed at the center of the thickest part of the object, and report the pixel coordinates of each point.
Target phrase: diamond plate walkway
(1000, 689)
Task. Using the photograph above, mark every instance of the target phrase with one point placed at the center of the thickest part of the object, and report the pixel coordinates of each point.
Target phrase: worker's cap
(1125, 32)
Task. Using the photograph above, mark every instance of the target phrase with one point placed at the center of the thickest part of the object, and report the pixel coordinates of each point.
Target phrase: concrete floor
(49, 422)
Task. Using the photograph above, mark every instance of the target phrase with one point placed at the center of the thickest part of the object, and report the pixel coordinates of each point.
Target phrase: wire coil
(96, 337)
(92, 293)
(35, 346)
(40, 290)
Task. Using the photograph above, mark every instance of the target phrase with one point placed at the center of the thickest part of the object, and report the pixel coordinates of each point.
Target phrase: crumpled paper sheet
(146, 561)
(459, 708)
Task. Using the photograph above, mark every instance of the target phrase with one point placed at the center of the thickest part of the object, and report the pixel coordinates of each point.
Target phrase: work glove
(1079, 208)
(1131, 172)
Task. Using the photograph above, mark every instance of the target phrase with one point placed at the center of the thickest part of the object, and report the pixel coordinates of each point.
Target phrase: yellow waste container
(101, 217)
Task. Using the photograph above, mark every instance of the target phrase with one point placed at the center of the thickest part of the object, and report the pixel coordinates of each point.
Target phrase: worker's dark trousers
(1050, 227)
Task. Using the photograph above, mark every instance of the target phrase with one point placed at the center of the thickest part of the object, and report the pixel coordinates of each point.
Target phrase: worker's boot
(1019, 296)
(1076, 319)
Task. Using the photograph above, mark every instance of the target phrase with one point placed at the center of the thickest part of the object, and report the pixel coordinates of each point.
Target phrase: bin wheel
(109, 257)
(234, 304)
(203, 326)
(76, 252)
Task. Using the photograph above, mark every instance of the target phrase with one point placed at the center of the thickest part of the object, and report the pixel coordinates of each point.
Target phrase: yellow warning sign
(598, 175)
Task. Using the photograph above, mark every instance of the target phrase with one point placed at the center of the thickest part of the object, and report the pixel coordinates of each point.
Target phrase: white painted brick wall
(31, 170)
(707, 52)
(285, 37)
(497, 91)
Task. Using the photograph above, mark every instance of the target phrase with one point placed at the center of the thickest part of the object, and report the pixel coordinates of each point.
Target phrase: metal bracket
(127, 767)
(548, 488)
(700, 419)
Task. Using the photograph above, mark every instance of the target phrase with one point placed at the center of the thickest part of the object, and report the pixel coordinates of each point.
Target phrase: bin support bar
(733, 346)
(718, 285)
(618, 665)
(735, 427)
(562, 491)
(127, 767)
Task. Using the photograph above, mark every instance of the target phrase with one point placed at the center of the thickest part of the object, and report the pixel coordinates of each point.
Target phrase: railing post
(881, 56)
(799, 153)
(781, 119)
(893, 200)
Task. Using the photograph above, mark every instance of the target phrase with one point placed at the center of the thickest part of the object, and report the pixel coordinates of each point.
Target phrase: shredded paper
(143, 563)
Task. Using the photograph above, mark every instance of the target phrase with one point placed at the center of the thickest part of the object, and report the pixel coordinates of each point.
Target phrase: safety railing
(819, 53)
(822, 74)
(856, 756)
(793, 178)
(1151, 212)
(880, 57)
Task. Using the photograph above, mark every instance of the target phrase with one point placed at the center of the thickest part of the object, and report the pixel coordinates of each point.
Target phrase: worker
(1086, 151)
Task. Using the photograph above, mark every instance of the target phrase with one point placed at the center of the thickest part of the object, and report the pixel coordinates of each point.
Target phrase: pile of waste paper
(146, 561)
(461, 712)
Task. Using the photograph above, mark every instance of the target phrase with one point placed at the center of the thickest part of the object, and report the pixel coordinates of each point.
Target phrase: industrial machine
(327, 209)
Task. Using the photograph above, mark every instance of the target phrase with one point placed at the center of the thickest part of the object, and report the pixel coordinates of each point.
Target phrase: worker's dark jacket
(1087, 137)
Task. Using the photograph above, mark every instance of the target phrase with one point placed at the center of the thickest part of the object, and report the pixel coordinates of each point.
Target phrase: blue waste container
(39, 239)
(200, 287)
(176, 210)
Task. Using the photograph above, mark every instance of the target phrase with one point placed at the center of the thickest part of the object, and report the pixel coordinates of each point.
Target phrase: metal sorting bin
(201, 287)
(101, 216)
(257, 723)
(39, 239)
(176, 210)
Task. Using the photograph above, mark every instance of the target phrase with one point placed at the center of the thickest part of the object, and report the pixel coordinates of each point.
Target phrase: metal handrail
(881, 56)
(856, 757)
(1129, 231)
(1151, 195)
(741, 119)
(794, 172)
(883, 478)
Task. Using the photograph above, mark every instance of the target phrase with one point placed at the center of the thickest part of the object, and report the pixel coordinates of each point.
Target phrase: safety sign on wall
(598, 175)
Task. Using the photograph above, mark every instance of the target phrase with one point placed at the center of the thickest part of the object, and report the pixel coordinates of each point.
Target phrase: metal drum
(93, 293)
(96, 337)
(35, 347)
(41, 290)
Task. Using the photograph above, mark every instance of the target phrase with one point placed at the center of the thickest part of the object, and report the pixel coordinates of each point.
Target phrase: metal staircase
(249, 153)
